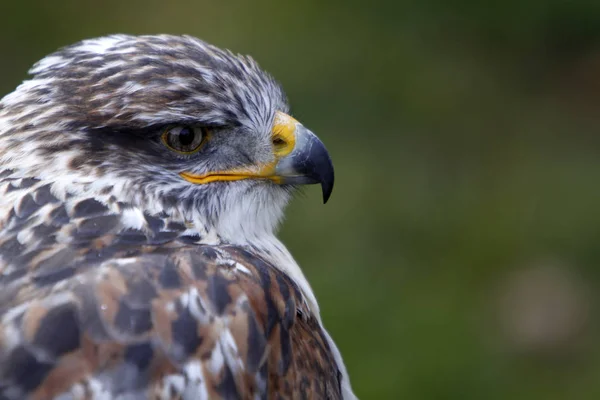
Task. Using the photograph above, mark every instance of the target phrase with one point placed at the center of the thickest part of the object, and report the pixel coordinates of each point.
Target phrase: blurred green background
(459, 255)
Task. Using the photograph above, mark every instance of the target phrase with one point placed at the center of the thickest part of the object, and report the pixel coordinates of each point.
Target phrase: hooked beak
(300, 159)
(309, 163)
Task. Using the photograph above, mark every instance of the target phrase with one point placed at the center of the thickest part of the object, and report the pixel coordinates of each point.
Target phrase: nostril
(283, 143)
(279, 142)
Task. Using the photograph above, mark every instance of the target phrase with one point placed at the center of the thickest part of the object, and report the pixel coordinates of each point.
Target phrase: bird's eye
(184, 139)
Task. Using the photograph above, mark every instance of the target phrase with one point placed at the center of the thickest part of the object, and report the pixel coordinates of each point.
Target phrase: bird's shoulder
(92, 308)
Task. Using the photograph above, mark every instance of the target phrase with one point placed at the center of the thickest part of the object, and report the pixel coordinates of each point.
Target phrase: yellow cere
(283, 136)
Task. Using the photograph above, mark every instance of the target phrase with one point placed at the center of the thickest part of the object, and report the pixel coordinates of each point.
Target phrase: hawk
(142, 180)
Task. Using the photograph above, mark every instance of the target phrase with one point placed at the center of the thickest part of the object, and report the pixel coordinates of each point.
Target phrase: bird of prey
(142, 180)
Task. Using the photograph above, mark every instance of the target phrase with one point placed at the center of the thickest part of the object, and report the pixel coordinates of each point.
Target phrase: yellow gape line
(265, 172)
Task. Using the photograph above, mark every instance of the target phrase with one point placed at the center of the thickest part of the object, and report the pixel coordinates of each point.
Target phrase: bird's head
(167, 123)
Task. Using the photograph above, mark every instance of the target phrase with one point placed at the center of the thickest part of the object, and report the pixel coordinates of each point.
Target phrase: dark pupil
(186, 136)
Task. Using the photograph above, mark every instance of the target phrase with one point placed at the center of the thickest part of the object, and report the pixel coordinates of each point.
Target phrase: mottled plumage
(131, 270)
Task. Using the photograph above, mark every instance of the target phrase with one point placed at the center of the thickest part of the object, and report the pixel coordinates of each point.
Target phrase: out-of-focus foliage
(459, 255)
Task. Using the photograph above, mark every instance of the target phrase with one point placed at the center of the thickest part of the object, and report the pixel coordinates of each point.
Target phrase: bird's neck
(264, 245)
(255, 231)
(272, 250)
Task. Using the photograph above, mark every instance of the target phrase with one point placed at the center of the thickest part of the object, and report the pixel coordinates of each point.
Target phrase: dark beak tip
(325, 173)
(327, 188)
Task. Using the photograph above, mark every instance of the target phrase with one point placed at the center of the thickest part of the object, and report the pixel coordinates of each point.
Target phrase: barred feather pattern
(92, 308)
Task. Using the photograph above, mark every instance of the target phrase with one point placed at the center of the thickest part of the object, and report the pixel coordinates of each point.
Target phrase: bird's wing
(89, 309)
